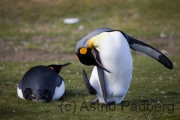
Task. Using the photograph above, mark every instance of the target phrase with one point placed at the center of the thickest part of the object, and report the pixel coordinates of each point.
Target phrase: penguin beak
(62, 66)
(58, 68)
(86, 57)
(102, 83)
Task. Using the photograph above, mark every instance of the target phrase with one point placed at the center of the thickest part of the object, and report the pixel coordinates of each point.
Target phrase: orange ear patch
(51, 68)
(83, 50)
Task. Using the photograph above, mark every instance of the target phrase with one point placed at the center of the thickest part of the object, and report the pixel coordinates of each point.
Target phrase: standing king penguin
(109, 51)
(42, 84)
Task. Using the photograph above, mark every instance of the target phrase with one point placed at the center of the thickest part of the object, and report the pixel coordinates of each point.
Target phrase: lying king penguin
(42, 84)
(109, 51)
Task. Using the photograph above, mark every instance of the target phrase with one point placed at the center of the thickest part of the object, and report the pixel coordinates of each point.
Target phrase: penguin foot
(95, 101)
(109, 103)
(88, 86)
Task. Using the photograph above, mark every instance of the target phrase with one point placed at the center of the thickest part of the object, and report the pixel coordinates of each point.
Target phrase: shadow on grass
(70, 94)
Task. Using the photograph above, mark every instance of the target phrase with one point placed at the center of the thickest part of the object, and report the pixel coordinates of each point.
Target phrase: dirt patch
(20, 55)
(33, 55)
(167, 46)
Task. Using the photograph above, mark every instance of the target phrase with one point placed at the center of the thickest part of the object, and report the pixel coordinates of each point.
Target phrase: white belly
(116, 57)
(19, 92)
(59, 91)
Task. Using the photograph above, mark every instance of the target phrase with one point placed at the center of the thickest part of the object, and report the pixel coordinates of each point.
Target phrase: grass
(22, 20)
(38, 25)
(152, 84)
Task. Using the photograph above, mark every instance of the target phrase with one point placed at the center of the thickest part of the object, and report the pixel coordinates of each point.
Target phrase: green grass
(151, 82)
(38, 25)
(22, 20)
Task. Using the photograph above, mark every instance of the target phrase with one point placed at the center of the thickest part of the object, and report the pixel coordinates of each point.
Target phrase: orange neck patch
(91, 42)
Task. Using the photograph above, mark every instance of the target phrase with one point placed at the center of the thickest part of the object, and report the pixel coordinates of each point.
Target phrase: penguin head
(58, 68)
(87, 53)
(37, 95)
(86, 45)
(86, 57)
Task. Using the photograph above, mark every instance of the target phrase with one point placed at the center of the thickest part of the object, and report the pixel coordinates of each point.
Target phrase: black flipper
(88, 86)
(101, 77)
(148, 50)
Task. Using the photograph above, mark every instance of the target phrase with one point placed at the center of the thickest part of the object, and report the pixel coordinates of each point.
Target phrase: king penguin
(109, 51)
(42, 83)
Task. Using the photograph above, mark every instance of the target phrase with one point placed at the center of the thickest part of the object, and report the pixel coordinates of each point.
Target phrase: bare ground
(33, 55)
(167, 46)
(25, 55)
